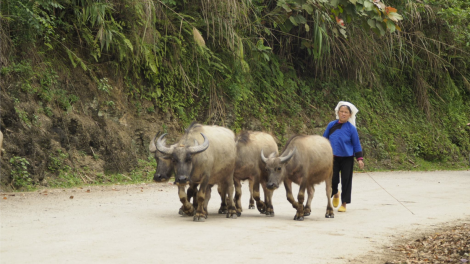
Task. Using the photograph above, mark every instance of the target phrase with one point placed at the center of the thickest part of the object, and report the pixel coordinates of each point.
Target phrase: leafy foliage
(19, 173)
(264, 65)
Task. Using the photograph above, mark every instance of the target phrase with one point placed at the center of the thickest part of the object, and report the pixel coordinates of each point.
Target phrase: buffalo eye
(278, 168)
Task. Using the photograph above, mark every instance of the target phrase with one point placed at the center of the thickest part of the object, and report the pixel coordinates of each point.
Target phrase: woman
(344, 140)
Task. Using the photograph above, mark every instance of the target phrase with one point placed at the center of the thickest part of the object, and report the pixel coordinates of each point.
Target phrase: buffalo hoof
(307, 214)
(239, 214)
(252, 206)
(270, 214)
(189, 212)
(223, 211)
(199, 219)
(262, 210)
(180, 212)
(233, 216)
(329, 215)
(300, 218)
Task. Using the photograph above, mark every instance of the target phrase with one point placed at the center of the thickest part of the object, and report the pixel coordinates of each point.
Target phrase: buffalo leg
(290, 196)
(268, 198)
(310, 192)
(238, 196)
(223, 204)
(207, 198)
(256, 195)
(329, 209)
(299, 216)
(252, 201)
(188, 208)
(228, 186)
(191, 192)
(200, 214)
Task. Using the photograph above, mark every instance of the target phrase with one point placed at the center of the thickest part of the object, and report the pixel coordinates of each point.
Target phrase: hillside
(86, 84)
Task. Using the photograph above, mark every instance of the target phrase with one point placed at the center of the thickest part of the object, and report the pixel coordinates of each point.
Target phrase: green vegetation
(279, 66)
(20, 174)
(80, 177)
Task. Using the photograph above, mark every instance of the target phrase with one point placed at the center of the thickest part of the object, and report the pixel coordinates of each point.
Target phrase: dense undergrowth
(279, 66)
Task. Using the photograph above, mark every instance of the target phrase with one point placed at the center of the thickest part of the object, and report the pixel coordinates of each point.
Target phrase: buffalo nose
(270, 185)
(182, 179)
(157, 177)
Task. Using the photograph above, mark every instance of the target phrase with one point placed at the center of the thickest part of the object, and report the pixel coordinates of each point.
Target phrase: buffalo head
(276, 168)
(164, 163)
(181, 156)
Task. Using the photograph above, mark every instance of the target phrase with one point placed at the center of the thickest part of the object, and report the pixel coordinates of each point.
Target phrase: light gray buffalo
(249, 166)
(307, 161)
(203, 165)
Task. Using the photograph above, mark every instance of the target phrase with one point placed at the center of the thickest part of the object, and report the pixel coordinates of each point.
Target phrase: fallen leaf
(88, 190)
(71, 197)
(4, 198)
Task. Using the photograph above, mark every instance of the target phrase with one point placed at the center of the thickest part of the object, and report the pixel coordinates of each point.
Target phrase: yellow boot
(342, 209)
(336, 201)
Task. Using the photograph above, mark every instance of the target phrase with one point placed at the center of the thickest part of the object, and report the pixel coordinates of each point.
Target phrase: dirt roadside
(140, 224)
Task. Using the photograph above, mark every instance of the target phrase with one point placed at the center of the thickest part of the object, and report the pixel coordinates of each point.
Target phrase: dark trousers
(345, 165)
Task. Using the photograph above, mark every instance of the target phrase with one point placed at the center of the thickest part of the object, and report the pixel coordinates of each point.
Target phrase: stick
(389, 193)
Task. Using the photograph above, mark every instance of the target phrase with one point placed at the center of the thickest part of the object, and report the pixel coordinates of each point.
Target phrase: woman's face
(344, 114)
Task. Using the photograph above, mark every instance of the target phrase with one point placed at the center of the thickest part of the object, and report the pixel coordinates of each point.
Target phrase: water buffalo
(306, 160)
(165, 170)
(164, 163)
(249, 166)
(203, 165)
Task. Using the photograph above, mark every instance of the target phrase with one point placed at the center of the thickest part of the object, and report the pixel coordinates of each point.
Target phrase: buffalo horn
(263, 157)
(152, 147)
(199, 148)
(288, 157)
(161, 146)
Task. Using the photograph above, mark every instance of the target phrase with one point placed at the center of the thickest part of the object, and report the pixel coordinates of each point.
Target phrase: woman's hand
(361, 164)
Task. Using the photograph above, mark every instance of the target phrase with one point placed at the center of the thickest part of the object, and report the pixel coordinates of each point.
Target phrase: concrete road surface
(140, 223)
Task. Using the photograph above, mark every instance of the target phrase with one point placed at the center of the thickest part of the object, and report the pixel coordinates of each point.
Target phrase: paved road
(140, 224)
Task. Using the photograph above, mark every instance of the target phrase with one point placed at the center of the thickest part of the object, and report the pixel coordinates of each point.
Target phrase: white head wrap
(354, 111)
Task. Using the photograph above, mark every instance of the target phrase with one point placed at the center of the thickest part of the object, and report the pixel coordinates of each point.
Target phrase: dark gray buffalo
(306, 160)
(164, 163)
(203, 165)
(165, 171)
(249, 166)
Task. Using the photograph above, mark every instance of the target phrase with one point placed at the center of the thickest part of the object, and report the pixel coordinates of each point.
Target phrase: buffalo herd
(212, 155)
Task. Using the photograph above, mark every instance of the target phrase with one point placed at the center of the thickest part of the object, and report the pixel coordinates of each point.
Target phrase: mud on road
(140, 223)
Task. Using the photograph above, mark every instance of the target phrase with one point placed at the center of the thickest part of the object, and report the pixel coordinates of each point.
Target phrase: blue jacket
(344, 140)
